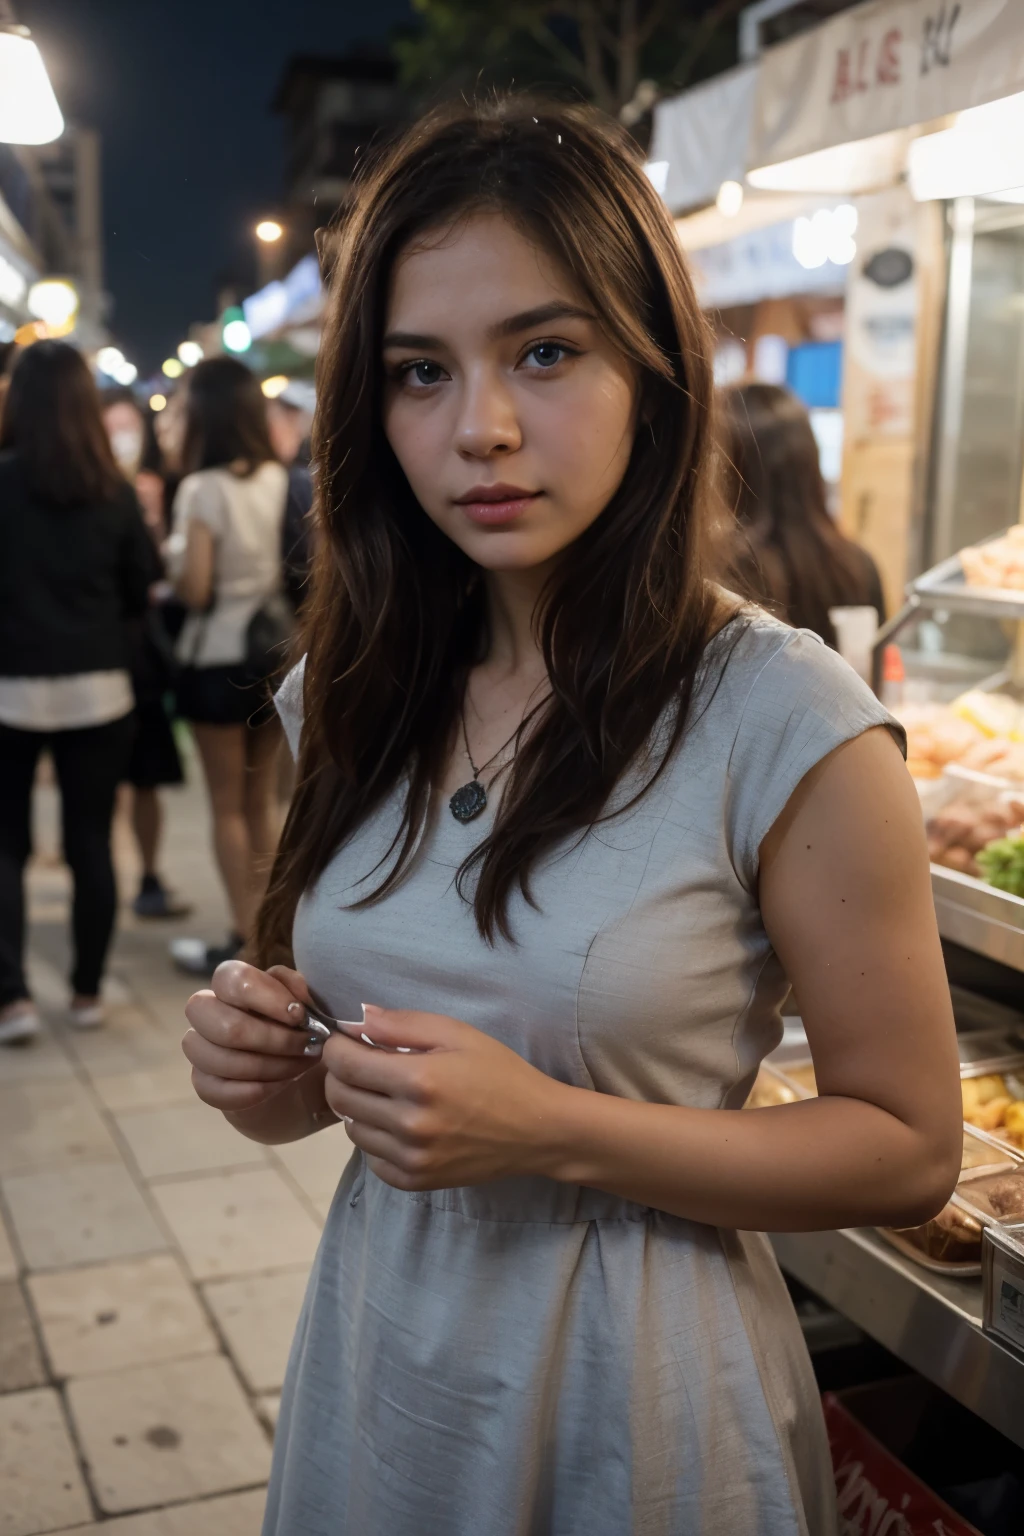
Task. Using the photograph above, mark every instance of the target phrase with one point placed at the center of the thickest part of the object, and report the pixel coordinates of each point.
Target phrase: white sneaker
(86, 1015)
(21, 1024)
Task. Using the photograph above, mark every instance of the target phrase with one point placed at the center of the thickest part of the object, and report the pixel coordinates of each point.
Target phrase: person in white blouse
(225, 556)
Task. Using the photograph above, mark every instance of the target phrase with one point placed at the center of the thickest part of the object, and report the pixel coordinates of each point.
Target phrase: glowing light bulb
(172, 368)
(190, 353)
(109, 360)
(236, 336)
(157, 402)
(269, 230)
(275, 385)
(730, 199)
(53, 300)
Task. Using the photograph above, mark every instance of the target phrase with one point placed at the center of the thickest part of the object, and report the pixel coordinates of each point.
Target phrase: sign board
(886, 65)
(758, 265)
(876, 1493)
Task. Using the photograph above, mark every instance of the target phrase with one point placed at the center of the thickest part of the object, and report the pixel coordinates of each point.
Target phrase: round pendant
(468, 801)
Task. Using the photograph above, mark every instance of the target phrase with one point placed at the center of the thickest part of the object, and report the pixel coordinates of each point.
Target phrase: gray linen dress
(526, 1358)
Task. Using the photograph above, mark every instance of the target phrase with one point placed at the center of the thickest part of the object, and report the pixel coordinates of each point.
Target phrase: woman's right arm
(248, 1049)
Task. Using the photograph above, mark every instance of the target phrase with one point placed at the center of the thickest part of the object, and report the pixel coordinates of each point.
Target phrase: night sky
(180, 91)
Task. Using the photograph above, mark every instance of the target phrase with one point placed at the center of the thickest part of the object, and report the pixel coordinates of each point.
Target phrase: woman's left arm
(846, 901)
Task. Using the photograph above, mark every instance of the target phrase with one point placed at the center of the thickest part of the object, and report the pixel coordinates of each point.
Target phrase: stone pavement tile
(21, 1364)
(257, 1316)
(42, 1057)
(168, 1139)
(166, 1432)
(268, 1406)
(79, 1214)
(41, 1484)
(44, 1125)
(169, 1084)
(128, 1039)
(232, 1514)
(108, 1316)
(237, 1223)
(316, 1163)
(8, 1262)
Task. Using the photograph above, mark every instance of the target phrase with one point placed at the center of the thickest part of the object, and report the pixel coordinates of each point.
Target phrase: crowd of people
(152, 566)
(109, 638)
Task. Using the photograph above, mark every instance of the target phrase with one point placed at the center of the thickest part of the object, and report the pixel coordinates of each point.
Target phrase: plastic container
(993, 1099)
(950, 1244)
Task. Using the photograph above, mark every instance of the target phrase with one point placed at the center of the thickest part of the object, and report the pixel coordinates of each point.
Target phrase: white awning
(884, 66)
(703, 137)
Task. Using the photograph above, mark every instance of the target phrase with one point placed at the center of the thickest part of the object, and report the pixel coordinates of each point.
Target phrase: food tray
(924, 1244)
(1011, 1069)
(965, 1271)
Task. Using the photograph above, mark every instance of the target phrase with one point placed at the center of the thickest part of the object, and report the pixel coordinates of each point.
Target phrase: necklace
(471, 799)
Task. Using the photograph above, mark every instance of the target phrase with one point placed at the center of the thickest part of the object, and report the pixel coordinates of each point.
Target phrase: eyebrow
(527, 321)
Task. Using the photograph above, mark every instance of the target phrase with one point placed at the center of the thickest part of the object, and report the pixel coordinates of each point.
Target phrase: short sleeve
(288, 703)
(199, 499)
(803, 703)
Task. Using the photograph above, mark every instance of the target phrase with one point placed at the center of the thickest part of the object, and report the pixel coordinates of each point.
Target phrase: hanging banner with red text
(889, 64)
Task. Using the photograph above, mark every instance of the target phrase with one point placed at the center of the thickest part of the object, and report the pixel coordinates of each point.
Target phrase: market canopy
(703, 137)
(884, 66)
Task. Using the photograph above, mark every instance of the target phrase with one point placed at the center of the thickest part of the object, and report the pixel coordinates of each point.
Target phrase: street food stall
(912, 111)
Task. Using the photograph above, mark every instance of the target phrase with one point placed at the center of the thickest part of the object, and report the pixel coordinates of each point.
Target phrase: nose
(487, 423)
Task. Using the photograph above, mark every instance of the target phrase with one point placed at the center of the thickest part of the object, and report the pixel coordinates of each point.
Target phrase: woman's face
(508, 408)
(127, 439)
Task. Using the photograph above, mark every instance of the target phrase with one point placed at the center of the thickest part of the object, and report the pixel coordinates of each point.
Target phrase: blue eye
(424, 372)
(547, 353)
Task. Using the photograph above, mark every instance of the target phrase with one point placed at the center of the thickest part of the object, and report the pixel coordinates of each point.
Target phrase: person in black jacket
(76, 564)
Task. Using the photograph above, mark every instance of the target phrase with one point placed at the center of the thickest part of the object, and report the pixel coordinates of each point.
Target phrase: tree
(620, 54)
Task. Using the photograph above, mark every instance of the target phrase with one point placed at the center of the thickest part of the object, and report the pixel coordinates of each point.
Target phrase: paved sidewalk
(152, 1261)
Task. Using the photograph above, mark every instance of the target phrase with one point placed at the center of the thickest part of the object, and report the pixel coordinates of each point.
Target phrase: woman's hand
(248, 1039)
(454, 1107)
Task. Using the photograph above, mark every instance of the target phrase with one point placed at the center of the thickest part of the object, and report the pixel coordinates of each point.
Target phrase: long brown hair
(225, 417)
(786, 551)
(51, 418)
(397, 615)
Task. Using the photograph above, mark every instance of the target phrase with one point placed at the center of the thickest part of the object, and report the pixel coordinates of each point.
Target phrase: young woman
(76, 565)
(227, 551)
(785, 549)
(568, 822)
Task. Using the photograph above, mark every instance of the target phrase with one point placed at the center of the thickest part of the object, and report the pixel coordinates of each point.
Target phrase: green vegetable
(1002, 864)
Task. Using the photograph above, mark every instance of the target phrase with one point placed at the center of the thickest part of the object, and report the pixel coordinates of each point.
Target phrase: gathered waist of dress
(525, 1201)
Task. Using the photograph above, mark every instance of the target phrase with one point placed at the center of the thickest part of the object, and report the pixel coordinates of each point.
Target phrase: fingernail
(347, 1119)
(295, 1009)
(365, 1036)
(404, 1050)
(314, 1048)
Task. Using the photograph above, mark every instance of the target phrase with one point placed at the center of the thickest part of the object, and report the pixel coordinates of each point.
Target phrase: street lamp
(190, 353)
(269, 230)
(29, 113)
(54, 301)
(172, 367)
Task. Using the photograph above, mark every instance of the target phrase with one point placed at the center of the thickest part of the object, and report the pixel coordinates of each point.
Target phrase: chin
(510, 552)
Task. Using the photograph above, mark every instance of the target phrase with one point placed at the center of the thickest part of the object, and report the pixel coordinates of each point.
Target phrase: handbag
(268, 637)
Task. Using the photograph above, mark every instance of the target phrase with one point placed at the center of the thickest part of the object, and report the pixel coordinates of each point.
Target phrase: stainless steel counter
(930, 1322)
(979, 917)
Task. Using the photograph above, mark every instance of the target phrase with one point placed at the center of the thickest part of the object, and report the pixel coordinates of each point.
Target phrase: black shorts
(154, 757)
(223, 696)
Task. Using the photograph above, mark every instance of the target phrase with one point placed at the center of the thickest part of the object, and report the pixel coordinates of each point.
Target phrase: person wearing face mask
(155, 761)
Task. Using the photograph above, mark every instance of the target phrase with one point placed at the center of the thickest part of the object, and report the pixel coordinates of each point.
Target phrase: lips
(494, 505)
